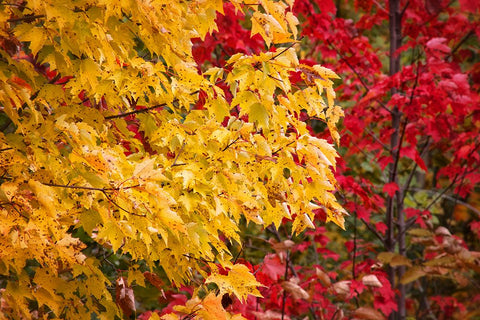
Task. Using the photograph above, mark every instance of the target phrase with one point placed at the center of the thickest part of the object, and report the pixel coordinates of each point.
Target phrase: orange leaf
(154, 279)
(212, 308)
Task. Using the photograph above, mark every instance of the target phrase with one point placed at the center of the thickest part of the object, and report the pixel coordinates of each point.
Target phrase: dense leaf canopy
(115, 141)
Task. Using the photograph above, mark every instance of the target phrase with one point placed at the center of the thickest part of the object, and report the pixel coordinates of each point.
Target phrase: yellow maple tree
(72, 84)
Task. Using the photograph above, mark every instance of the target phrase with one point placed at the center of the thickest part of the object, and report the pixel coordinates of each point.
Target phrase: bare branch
(372, 229)
(446, 196)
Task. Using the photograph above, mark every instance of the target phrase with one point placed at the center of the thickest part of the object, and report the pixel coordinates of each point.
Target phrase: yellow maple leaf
(239, 281)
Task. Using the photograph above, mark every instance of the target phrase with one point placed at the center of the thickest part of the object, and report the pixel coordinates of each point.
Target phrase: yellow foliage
(210, 308)
(70, 160)
(238, 281)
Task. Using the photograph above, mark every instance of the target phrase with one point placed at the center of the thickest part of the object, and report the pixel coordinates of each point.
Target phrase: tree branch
(371, 134)
(446, 196)
(26, 18)
(412, 173)
(372, 229)
(281, 148)
(89, 188)
(365, 86)
(284, 297)
(102, 190)
(126, 114)
(230, 144)
(458, 45)
(121, 208)
(178, 154)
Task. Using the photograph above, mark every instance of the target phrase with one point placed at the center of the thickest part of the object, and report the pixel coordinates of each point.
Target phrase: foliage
(409, 170)
(123, 160)
(411, 146)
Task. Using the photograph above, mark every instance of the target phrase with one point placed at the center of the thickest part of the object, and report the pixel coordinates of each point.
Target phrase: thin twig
(365, 86)
(26, 18)
(102, 190)
(284, 298)
(372, 229)
(446, 196)
(465, 38)
(178, 154)
(397, 152)
(281, 148)
(285, 49)
(230, 144)
(89, 188)
(198, 259)
(457, 178)
(126, 114)
(354, 257)
(425, 301)
(412, 173)
(371, 134)
(404, 9)
(410, 222)
(121, 208)
(355, 217)
(238, 254)
(415, 84)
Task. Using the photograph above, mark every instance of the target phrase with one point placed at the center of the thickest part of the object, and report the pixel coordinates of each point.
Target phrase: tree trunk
(395, 202)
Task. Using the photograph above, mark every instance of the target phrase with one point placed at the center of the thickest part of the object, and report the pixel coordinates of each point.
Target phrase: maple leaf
(390, 188)
(124, 296)
(292, 287)
(212, 308)
(368, 313)
(470, 6)
(239, 281)
(272, 267)
(154, 279)
(438, 44)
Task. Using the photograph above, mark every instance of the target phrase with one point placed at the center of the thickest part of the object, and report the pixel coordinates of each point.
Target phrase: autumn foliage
(123, 160)
(177, 159)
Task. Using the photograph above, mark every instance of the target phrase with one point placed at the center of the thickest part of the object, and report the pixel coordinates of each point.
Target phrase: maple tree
(123, 159)
(409, 171)
(412, 141)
